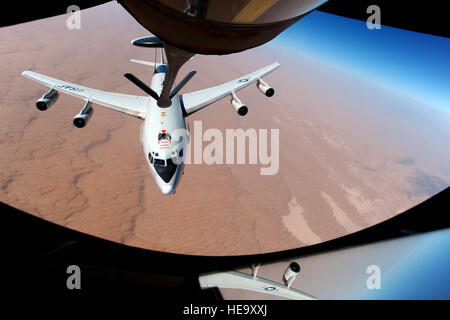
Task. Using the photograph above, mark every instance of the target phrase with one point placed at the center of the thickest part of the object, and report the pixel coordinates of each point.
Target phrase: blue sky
(413, 63)
(421, 273)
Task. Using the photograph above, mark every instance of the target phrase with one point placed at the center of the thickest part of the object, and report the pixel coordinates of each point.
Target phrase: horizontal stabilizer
(147, 63)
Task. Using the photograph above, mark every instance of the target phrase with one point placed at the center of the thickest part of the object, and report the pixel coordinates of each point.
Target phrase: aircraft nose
(166, 189)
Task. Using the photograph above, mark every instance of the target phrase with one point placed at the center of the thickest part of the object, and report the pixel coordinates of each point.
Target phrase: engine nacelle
(47, 100)
(238, 106)
(265, 88)
(83, 117)
(291, 272)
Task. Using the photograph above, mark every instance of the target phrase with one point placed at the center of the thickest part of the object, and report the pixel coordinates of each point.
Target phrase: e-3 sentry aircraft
(162, 145)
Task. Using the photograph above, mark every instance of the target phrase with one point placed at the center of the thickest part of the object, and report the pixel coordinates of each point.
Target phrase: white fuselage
(162, 138)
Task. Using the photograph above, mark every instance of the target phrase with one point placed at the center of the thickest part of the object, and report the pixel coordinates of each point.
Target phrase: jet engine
(265, 88)
(83, 117)
(240, 108)
(291, 272)
(47, 100)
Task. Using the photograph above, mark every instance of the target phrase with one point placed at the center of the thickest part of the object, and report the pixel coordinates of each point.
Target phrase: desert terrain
(352, 153)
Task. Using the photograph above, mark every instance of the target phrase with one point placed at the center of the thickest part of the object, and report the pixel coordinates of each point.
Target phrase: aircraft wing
(129, 104)
(239, 280)
(197, 100)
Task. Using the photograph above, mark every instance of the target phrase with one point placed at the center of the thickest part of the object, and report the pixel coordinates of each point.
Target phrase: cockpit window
(156, 162)
(166, 172)
(159, 162)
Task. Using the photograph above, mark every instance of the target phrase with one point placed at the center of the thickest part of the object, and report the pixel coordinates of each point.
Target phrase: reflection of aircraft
(253, 283)
(387, 269)
(335, 269)
(164, 135)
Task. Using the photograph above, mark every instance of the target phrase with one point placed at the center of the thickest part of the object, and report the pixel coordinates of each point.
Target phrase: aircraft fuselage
(164, 138)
